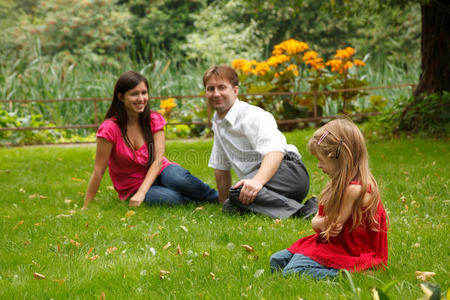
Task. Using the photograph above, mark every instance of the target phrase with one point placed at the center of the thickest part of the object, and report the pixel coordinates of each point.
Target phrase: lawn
(114, 252)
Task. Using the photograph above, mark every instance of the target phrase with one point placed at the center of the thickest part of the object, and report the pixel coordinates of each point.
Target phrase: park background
(77, 49)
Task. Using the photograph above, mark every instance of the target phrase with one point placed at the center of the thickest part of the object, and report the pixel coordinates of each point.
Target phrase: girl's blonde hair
(342, 140)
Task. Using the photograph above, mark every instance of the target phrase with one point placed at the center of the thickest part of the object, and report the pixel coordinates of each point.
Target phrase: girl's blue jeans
(176, 185)
(290, 263)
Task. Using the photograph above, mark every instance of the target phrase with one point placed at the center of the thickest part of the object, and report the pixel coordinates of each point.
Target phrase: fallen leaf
(416, 245)
(154, 235)
(110, 187)
(199, 208)
(184, 228)
(123, 251)
(424, 276)
(18, 224)
(103, 296)
(248, 248)
(167, 245)
(258, 273)
(94, 257)
(179, 252)
(163, 274)
(130, 213)
(111, 250)
(205, 253)
(277, 221)
(212, 275)
(63, 216)
(89, 252)
(21, 190)
(37, 224)
(33, 196)
(59, 281)
(77, 179)
(38, 276)
(67, 201)
(160, 227)
(75, 243)
(43, 197)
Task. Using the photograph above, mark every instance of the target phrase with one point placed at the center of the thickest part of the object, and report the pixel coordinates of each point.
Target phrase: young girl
(351, 230)
(131, 143)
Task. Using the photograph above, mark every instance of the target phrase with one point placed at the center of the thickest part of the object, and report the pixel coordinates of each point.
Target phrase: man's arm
(268, 168)
(223, 182)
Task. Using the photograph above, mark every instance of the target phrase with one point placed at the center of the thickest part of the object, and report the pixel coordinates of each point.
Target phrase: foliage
(108, 250)
(12, 120)
(214, 43)
(427, 113)
(294, 66)
(77, 30)
(161, 23)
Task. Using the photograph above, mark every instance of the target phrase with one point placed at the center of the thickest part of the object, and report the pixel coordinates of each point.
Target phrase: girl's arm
(351, 193)
(159, 143)
(318, 223)
(102, 155)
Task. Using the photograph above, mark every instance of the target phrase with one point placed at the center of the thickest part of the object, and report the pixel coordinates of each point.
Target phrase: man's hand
(249, 190)
(137, 199)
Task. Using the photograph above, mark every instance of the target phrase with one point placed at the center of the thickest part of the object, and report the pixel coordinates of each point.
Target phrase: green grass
(37, 226)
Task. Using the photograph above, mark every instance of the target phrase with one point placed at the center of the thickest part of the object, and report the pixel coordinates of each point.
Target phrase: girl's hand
(335, 229)
(137, 199)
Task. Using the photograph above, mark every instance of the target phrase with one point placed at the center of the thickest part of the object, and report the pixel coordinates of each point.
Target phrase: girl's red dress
(356, 250)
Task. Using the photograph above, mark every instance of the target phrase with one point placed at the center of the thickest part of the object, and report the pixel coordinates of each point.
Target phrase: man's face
(220, 94)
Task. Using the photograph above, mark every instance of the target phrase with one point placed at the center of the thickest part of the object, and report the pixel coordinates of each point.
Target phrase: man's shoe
(309, 209)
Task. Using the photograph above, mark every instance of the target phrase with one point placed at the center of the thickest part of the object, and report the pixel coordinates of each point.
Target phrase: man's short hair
(224, 72)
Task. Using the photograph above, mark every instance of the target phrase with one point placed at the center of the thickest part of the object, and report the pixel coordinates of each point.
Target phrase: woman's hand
(137, 199)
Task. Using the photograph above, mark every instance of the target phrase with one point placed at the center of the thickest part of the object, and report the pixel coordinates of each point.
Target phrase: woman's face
(136, 99)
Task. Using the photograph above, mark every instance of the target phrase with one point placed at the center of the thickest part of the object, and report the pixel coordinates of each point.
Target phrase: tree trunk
(421, 113)
(435, 48)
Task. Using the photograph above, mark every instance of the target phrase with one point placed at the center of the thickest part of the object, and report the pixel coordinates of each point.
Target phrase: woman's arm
(159, 142)
(102, 155)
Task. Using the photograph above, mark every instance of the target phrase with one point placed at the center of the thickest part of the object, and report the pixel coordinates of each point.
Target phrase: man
(273, 179)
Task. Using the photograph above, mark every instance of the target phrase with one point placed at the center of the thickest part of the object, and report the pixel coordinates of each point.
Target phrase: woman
(131, 143)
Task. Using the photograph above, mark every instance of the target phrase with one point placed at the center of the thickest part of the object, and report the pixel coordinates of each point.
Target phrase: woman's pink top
(127, 168)
(356, 250)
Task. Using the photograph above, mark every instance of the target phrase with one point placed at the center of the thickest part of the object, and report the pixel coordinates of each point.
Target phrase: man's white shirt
(243, 137)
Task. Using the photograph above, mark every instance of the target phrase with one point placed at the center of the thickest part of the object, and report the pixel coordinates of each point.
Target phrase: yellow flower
(290, 46)
(166, 106)
(359, 62)
(238, 63)
(348, 65)
(316, 63)
(335, 65)
(309, 55)
(276, 60)
(345, 53)
(292, 68)
(262, 68)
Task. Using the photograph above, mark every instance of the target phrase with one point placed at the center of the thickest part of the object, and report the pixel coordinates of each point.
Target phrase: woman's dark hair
(126, 82)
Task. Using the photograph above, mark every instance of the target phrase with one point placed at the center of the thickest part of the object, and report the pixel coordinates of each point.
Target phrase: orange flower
(309, 55)
(348, 65)
(335, 65)
(290, 47)
(276, 60)
(345, 53)
(359, 63)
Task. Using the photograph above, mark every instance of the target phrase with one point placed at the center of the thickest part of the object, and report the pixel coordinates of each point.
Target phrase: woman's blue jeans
(176, 185)
(299, 264)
